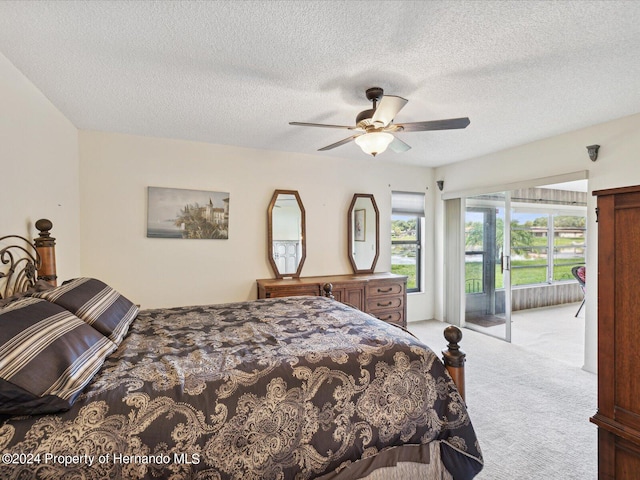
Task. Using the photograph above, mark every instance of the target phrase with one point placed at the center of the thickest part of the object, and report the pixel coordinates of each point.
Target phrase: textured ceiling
(236, 72)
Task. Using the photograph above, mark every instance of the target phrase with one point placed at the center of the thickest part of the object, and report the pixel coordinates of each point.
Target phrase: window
(545, 246)
(407, 213)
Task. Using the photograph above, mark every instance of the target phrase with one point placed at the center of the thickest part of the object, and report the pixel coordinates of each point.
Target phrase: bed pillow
(39, 286)
(96, 303)
(47, 356)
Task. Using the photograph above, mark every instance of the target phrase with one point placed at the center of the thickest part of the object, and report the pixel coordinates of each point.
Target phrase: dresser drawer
(381, 289)
(291, 291)
(386, 300)
(385, 303)
(391, 316)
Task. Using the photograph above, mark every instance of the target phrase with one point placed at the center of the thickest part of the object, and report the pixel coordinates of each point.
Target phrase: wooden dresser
(383, 295)
(618, 416)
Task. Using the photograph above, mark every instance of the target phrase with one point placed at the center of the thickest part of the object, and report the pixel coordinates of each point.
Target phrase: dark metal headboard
(22, 263)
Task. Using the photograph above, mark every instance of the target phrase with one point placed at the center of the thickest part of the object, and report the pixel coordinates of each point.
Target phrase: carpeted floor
(530, 412)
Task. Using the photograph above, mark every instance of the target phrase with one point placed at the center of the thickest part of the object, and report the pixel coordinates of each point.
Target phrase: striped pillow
(97, 304)
(47, 356)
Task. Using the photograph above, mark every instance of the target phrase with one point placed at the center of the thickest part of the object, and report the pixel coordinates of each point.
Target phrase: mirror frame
(270, 234)
(350, 233)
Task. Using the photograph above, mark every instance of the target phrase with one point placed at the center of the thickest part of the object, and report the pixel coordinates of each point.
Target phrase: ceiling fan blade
(323, 125)
(449, 124)
(388, 108)
(337, 144)
(398, 145)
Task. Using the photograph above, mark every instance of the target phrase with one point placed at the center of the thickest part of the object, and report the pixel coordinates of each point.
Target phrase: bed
(285, 388)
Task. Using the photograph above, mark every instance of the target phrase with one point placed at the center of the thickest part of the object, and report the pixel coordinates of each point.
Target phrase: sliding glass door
(487, 278)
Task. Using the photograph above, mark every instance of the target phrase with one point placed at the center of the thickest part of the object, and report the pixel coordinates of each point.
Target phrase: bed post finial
(454, 358)
(46, 247)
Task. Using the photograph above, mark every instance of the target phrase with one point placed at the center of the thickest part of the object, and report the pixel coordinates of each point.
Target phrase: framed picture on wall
(192, 214)
(360, 225)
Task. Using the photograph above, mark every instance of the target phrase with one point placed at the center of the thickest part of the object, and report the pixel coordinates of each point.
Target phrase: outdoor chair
(580, 272)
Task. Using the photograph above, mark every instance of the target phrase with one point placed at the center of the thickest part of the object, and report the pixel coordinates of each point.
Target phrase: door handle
(507, 262)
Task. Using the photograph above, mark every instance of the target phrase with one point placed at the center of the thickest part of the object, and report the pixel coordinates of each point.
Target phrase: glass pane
(568, 245)
(403, 262)
(474, 252)
(473, 274)
(528, 274)
(563, 272)
(404, 228)
(484, 234)
(404, 257)
(529, 247)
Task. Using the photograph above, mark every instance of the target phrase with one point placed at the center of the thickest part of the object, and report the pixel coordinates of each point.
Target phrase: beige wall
(117, 169)
(39, 161)
(40, 153)
(617, 166)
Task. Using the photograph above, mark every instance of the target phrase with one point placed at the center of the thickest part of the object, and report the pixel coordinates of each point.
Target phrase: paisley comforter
(288, 388)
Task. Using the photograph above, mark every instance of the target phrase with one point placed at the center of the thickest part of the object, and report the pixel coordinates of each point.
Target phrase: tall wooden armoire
(618, 416)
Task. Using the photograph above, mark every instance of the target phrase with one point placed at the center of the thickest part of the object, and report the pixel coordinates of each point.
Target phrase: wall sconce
(593, 152)
(440, 184)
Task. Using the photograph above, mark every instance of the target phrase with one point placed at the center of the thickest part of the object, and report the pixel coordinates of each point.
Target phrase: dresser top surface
(354, 277)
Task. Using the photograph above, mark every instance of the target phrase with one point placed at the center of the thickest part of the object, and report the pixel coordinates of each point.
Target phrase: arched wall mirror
(286, 233)
(363, 233)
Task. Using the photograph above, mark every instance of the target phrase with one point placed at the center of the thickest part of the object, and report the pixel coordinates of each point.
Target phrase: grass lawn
(535, 273)
(519, 276)
(409, 271)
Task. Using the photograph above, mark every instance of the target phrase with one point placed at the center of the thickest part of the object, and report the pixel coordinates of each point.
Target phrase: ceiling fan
(375, 126)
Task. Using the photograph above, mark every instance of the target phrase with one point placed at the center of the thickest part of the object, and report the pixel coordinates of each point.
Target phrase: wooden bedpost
(46, 248)
(454, 358)
(328, 291)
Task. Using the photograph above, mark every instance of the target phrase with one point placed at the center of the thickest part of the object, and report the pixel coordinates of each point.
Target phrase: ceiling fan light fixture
(375, 142)
(372, 126)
